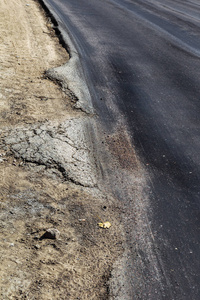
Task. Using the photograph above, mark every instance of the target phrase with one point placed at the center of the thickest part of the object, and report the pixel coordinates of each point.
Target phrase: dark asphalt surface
(143, 57)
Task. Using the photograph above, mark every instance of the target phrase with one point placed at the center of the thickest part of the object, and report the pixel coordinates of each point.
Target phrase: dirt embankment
(48, 176)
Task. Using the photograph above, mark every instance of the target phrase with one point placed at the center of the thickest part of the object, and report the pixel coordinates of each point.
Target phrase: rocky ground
(49, 176)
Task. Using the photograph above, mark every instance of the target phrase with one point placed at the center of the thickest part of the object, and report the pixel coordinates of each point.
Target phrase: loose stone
(51, 233)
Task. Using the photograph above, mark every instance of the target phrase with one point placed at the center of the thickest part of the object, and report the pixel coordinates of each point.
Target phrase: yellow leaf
(104, 224)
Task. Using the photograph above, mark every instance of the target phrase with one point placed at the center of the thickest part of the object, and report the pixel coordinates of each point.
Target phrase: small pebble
(51, 233)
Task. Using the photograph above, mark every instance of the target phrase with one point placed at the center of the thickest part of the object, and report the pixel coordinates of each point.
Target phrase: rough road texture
(48, 173)
(63, 147)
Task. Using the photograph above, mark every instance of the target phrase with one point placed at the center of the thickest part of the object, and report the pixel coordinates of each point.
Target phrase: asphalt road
(142, 61)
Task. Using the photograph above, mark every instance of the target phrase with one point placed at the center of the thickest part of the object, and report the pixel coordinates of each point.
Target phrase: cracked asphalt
(66, 148)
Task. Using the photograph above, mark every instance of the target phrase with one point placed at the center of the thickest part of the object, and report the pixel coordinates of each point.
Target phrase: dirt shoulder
(48, 172)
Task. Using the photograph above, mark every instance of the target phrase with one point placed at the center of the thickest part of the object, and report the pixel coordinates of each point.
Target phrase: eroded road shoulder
(49, 177)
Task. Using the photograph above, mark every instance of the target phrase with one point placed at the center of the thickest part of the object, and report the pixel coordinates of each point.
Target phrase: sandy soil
(37, 190)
